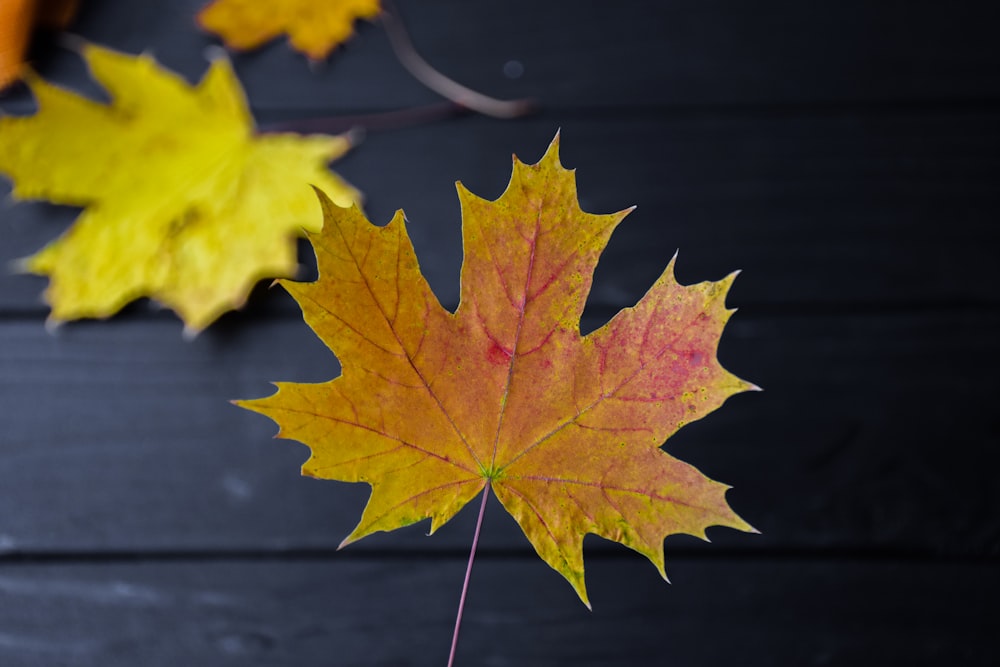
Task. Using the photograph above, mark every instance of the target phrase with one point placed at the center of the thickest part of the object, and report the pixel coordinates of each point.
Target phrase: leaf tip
(355, 135)
(464, 192)
(350, 539)
(726, 284)
(53, 325)
(552, 152)
(19, 266)
(735, 521)
(214, 53)
(581, 591)
(579, 585)
(328, 205)
(549, 159)
(73, 42)
(398, 218)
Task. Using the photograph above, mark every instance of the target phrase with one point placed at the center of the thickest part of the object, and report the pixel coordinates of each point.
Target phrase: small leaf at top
(314, 28)
(184, 202)
(433, 407)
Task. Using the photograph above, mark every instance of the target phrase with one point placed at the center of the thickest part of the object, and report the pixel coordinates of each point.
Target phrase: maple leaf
(433, 407)
(17, 18)
(314, 28)
(184, 203)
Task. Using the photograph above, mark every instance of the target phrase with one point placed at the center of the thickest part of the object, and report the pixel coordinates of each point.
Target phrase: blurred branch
(460, 98)
(438, 82)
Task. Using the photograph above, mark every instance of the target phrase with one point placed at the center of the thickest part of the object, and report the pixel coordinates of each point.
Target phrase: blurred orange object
(17, 18)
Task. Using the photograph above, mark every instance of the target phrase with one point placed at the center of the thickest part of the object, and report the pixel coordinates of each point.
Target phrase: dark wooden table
(845, 155)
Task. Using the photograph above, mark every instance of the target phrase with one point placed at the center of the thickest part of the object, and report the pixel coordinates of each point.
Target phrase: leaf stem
(423, 72)
(468, 576)
(459, 98)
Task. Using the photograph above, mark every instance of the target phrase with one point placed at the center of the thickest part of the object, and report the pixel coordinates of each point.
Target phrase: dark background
(845, 155)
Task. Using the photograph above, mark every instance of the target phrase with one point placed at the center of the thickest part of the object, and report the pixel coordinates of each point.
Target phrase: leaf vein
(406, 354)
(389, 436)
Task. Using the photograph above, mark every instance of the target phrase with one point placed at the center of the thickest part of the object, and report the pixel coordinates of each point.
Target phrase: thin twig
(460, 98)
(438, 82)
(468, 576)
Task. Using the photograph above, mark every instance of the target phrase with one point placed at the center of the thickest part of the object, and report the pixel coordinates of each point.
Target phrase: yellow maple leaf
(314, 28)
(184, 202)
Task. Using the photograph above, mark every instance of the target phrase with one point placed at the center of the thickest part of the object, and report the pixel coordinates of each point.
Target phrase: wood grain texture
(329, 613)
(844, 155)
(119, 436)
(599, 55)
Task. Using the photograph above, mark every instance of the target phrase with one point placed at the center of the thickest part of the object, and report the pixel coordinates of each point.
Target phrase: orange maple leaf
(433, 407)
(314, 28)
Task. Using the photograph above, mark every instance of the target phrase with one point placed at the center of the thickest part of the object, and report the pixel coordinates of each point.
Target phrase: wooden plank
(682, 55)
(873, 433)
(400, 612)
(821, 210)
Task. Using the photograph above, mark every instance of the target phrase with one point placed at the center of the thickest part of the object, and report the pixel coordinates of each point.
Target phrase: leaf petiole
(468, 576)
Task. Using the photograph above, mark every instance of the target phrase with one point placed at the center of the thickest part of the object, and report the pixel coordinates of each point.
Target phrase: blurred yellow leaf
(183, 201)
(314, 28)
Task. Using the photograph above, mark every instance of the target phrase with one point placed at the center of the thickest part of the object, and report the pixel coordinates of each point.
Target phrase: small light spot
(238, 489)
(244, 643)
(513, 69)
